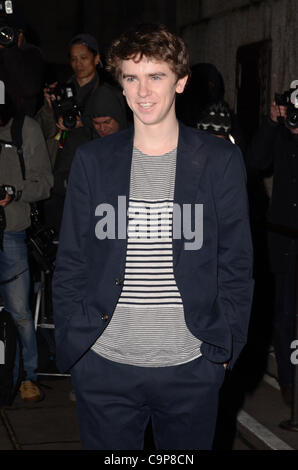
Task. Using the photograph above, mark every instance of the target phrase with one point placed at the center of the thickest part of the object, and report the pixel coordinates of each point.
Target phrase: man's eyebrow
(160, 74)
(126, 75)
(153, 74)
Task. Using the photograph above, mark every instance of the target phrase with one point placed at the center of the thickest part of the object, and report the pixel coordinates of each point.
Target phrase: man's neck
(157, 139)
(84, 81)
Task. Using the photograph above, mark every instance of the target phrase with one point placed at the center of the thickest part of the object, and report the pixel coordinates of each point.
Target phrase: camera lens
(293, 120)
(7, 35)
(70, 119)
(292, 117)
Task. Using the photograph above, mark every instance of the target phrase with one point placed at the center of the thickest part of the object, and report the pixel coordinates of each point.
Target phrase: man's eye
(155, 77)
(130, 79)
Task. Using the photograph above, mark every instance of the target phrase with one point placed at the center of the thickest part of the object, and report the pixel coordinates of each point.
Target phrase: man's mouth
(147, 105)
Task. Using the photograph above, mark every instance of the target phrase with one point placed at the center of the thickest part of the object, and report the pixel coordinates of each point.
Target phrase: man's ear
(97, 59)
(180, 85)
(20, 38)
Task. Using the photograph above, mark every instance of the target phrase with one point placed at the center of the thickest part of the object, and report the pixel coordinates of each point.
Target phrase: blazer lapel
(190, 163)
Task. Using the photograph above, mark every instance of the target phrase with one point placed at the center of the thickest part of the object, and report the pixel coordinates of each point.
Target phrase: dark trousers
(115, 402)
(284, 320)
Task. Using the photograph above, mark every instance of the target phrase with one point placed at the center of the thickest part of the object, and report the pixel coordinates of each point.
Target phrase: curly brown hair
(153, 41)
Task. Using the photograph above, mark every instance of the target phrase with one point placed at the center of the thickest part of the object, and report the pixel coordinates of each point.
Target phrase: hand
(48, 97)
(277, 111)
(225, 365)
(60, 124)
(4, 202)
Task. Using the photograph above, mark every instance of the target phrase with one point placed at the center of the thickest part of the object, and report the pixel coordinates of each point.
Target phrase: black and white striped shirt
(148, 327)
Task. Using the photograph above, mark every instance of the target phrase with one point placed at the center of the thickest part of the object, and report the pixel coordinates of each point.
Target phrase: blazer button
(118, 281)
(104, 316)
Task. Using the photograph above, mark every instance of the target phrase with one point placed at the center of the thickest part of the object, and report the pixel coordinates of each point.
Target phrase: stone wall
(215, 29)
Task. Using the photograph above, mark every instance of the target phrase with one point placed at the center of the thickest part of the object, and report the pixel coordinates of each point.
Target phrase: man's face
(150, 87)
(83, 61)
(105, 125)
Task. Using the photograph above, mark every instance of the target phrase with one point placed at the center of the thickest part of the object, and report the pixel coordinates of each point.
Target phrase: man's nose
(144, 89)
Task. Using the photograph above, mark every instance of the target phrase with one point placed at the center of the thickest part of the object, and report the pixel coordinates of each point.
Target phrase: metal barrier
(291, 424)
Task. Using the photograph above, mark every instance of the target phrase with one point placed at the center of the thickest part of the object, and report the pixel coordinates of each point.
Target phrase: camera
(8, 34)
(65, 104)
(6, 8)
(42, 246)
(6, 189)
(286, 99)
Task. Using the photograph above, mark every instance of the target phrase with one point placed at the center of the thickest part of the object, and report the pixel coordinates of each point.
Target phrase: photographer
(275, 147)
(16, 194)
(21, 63)
(61, 118)
(67, 111)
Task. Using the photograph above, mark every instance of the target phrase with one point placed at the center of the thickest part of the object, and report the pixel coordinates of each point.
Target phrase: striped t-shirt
(148, 328)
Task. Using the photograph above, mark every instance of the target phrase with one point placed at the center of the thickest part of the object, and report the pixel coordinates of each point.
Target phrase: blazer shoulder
(197, 136)
(219, 150)
(104, 147)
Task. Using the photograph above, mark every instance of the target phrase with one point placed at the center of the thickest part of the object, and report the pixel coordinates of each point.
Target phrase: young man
(148, 313)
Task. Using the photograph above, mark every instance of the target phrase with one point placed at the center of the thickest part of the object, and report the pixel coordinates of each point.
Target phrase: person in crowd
(147, 322)
(21, 65)
(216, 119)
(62, 140)
(206, 88)
(106, 112)
(17, 193)
(275, 147)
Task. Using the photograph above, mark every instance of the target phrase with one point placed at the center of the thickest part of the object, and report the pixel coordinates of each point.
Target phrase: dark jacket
(39, 178)
(215, 281)
(93, 99)
(61, 158)
(275, 147)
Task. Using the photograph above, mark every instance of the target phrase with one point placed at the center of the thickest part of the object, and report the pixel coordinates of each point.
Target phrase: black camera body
(8, 33)
(286, 99)
(6, 8)
(41, 242)
(65, 104)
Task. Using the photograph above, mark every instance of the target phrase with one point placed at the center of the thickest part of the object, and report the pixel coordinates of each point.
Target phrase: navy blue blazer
(215, 281)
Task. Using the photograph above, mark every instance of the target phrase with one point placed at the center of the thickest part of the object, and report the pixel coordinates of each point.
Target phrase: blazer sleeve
(39, 177)
(235, 252)
(70, 276)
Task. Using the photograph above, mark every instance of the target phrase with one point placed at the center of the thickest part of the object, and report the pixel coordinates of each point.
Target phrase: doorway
(253, 80)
